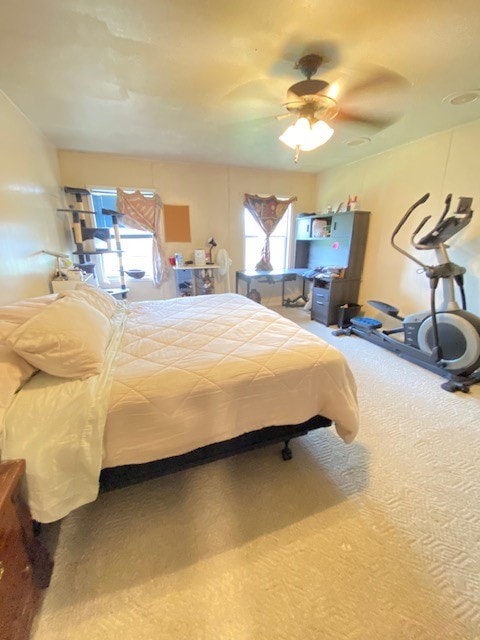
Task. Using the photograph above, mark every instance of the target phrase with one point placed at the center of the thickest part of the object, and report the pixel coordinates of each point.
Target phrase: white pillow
(97, 298)
(14, 372)
(19, 312)
(67, 339)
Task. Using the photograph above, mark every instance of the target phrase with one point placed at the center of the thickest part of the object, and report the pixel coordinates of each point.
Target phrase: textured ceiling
(203, 80)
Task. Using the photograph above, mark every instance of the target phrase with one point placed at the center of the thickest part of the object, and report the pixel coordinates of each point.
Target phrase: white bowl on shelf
(135, 273)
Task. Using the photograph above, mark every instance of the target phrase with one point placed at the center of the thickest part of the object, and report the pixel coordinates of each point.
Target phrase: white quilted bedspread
(178, 374)
(194, 371)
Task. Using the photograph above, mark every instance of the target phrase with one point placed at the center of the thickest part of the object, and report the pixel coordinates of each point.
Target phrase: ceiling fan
(310, 96)
(316, 103)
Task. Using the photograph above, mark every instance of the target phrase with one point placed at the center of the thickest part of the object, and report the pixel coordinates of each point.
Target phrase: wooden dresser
(25, 567)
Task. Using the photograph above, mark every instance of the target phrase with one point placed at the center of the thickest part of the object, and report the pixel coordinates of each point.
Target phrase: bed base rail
(116, 477)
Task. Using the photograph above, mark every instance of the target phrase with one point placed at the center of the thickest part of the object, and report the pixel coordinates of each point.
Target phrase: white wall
(214, 194)
(29, 197)
(387, 184)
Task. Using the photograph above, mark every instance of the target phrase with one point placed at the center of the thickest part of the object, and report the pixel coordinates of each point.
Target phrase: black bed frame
(116, 477)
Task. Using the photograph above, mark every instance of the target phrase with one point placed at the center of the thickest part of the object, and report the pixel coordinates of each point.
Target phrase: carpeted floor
(379, 539)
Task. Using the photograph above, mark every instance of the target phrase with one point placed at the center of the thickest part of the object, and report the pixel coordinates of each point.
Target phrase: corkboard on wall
(177, 223)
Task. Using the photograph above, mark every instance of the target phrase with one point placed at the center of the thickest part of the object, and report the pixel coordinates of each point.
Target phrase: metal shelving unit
(84, 234)
(191, 280)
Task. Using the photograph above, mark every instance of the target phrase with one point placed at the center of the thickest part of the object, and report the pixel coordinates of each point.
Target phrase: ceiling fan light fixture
(306, 136)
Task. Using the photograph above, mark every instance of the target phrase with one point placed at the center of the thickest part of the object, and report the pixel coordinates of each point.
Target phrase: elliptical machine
(445, 340)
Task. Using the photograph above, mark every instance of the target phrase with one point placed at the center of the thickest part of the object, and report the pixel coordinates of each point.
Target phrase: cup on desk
(178, 260)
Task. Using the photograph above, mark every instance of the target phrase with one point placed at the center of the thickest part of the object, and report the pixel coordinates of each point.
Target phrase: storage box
(319, 229)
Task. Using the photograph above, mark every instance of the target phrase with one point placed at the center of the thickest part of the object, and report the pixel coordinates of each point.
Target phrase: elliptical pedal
(366, 323)
(360, 322)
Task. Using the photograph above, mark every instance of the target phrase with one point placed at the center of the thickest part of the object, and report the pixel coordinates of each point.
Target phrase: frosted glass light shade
(306, 137)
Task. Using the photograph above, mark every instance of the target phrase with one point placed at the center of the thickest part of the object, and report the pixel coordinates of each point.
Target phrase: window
(255, 237)
(136, 245)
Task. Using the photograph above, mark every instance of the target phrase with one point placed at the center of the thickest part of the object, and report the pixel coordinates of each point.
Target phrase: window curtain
(267, 212)
(145, 214)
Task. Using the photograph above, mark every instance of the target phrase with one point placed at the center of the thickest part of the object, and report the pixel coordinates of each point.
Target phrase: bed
(120, 386)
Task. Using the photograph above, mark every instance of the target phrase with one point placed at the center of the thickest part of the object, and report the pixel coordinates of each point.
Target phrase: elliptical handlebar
(407, 215)
(445, 228)
(419, 245)
(403, 221)
(436, 239)
(448, 201)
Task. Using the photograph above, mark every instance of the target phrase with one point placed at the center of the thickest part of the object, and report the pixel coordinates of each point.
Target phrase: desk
(195, 280)
(271, 277)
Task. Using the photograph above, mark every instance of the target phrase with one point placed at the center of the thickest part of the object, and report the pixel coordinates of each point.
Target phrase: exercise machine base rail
(454, 383)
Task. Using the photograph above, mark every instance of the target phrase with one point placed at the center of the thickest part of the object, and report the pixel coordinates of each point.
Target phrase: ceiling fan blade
(377, 122)
(249, 125)
(249, 103)
(267, 119)
(256, 92)
(381, 84)
(376, 100)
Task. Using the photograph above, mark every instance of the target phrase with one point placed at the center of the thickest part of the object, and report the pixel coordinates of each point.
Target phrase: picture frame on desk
(200, 258)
